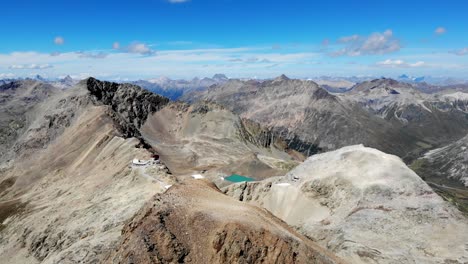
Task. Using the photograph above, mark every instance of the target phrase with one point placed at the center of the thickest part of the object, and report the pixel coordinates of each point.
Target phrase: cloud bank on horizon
(184, 39)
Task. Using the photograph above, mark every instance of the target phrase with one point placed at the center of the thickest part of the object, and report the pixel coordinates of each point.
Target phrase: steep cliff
(131, 104)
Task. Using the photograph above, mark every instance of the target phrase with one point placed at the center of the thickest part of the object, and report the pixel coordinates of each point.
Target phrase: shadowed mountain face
(383, 114)
(450, 161)
(434, 120)
(446, 170)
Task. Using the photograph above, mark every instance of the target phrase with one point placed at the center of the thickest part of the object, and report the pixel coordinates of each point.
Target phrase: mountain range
(383, 113)
(94, 171)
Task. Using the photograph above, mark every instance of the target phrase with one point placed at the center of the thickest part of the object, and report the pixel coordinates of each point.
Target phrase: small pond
(238, 178)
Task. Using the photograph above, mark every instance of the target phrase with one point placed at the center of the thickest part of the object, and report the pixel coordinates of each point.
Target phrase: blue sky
(241, 38)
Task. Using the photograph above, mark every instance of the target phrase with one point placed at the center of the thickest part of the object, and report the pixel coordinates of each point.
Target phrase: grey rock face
(19, 101)
(449, 162)
(383, 113)
(131, 104)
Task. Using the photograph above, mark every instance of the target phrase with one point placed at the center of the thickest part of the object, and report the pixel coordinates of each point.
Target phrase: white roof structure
(197, 176)
(140, 162)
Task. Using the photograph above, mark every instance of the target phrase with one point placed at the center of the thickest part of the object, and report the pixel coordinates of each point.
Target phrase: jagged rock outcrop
(131, 104)
(366, 206)
(195, 223)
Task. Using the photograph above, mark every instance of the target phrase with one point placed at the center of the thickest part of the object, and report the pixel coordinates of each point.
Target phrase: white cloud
(375, 44)
(348, 39)
(116, 45)
(188, 63)
(175, 63)
(138, 48)
(6, 75)
(440, 30)
(30, 66)
(92, 55)
(250, 60)
(400, 64)
(460, 52)
(177, 1)
(59, 40)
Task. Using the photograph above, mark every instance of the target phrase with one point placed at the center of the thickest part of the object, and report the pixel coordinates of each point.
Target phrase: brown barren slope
(193, 222)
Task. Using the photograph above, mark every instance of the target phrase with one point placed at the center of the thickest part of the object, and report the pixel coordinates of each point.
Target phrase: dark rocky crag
(266, 137)
(131, 104)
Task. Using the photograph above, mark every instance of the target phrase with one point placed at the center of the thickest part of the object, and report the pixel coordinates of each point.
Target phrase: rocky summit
(364, 205)
(193, 222)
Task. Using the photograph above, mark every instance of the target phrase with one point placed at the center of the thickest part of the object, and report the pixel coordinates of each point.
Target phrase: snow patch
(456, 96)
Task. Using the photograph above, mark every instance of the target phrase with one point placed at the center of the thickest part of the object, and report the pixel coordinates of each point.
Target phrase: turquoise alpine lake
(238, 178)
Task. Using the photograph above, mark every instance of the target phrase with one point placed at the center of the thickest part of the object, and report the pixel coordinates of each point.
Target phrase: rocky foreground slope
(193, 222)
(366, 206)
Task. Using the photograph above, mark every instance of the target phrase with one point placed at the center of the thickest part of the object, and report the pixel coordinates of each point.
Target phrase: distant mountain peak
(160, 80)
(282, 77)
(39, 78)
(67, 78)
(220, 76)
(386, 81)
(384, 84)
(403, 76)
